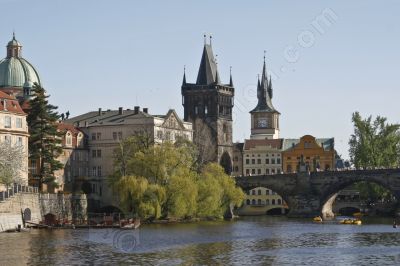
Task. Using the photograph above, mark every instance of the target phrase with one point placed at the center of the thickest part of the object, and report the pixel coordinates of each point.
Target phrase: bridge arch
(329, 193)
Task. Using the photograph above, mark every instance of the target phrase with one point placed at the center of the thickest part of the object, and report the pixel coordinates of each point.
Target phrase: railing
(15, 189)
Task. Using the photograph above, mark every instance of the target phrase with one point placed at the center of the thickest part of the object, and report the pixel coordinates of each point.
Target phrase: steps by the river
(11, 210)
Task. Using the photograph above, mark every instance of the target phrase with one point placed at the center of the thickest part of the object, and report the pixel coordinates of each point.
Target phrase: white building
(14, 129)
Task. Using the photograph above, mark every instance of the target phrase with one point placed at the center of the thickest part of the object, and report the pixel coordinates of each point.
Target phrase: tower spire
(230, 77)
(270, 87)
(184, 75)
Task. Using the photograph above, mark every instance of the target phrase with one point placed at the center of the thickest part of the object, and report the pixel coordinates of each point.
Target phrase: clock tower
(264, 117)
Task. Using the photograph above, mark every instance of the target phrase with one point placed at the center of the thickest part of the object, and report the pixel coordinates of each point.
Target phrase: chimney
(120, 110)
(137, 109)
(100, 111)
(146, 110)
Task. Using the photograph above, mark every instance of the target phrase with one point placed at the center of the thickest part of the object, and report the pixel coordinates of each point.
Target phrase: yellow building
(260, 201)
(317, 154)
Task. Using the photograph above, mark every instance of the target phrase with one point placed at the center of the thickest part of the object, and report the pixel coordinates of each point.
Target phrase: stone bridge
(312, 194)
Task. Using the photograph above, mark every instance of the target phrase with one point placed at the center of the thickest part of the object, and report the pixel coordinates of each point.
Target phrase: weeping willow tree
(164, 181)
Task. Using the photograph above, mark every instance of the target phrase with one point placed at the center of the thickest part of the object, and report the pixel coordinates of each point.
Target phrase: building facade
(105, 131)
(208, 104)
(262, 156)
(317, 154)
(14, 130)
(75, 159)
(237, 168)
(261, 201)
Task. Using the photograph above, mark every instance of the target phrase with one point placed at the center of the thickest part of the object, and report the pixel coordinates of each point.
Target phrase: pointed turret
(230, 77)
(184, 76)
(269, 89)
(208, 67)
(264, 92)
(217, 79)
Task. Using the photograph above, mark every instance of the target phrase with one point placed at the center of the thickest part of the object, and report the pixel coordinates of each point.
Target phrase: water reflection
(250, 241)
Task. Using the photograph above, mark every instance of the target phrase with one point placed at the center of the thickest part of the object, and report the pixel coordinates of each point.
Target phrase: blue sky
(107, 54)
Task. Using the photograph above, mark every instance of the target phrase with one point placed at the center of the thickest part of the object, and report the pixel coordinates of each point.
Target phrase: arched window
(267, 202)
(253, 202)
(253, 192)
(248, 202)
(279, 201)
(68, 140)
(259, 202)
(259, 192)
(273, 202)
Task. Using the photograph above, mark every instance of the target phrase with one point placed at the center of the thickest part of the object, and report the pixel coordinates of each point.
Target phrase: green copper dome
(15, 71)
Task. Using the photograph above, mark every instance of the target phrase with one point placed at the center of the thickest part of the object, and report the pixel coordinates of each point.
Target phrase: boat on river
(317, 219)
(350, 221)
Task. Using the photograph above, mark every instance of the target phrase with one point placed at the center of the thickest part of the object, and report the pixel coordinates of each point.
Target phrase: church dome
(15, 71)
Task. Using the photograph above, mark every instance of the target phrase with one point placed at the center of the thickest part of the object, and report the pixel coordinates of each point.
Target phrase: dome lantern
(13, 48)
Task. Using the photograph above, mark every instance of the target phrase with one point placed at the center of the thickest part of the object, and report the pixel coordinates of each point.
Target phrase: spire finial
(210, 40)
(230, 76)
(184, 75)
(264, 55)
(13, 34)
(205, 39)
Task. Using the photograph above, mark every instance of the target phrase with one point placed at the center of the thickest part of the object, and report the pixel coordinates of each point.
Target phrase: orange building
(317, 154)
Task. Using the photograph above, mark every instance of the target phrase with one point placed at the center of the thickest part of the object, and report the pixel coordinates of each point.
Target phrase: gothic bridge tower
(208, 105)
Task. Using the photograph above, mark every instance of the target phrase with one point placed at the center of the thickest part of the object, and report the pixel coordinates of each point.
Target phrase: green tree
(11, 163)
(45, 140)
(374, 143)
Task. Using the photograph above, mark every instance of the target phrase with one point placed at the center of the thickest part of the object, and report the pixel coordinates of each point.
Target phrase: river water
(247, 241)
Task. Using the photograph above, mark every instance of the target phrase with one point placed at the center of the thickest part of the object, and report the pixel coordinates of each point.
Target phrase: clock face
(262, 122)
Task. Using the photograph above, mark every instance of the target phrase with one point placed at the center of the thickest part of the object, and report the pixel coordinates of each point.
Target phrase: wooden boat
(317, 219)
(134, 225)
(351, 221)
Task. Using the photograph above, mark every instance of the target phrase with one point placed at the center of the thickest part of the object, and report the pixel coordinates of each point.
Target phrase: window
(278, 160)
(259, 161)
(253, 171)
(267, 161)
(289, 168)
(94, 153)
(259, 202)
(236, 169)
(268, 192)
(7, 121)
(247, 161)
(98, 153)
(120, 135)
(114, 135)
(259, 192)
(68, 139)
(98, 170)
(32, 167)
(267, 171)
(253, 202)
(247, 171)
(19, 142)
(159, 134)
(279, 201)
(18, 123)
(248, 202)
(273, 171)
(253, 192)
(94, 171)
(168, 136)
(273, 202)
(267, 202)
(259, 171)
(7, 139)
(196, 110)
(273, 161)
(253, 161)
(93, 136)
(288, 158)
(98, 136)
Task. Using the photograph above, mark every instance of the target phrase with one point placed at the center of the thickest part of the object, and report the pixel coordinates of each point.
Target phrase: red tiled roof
(12, 104)
(64, 127)
(252, 143)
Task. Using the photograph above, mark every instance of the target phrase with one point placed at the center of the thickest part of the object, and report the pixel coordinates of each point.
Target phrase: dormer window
(68, 140)
(7, 122)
